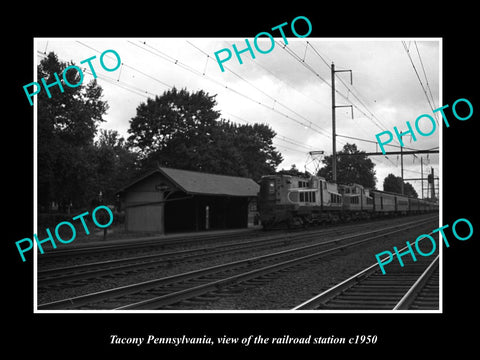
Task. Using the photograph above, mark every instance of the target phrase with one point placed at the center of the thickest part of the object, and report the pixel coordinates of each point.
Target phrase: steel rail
(143, 242)
(135, 288)
(340, 288)
(235, 279)
(407, 300)
(183, 254)
(108, 267)
(156, 241)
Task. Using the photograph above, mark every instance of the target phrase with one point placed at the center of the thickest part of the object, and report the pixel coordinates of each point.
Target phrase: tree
(409, 190)
(182, 130)
(67, 124)
(254, 147)
(171, 127)
(393, 183)
(357, 169)
(115, 164)
(293, 171)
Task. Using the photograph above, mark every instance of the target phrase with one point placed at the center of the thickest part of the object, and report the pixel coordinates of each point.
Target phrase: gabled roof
(194, 182)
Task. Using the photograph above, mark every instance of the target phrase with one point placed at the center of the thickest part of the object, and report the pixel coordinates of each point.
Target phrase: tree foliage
(357, 169)
(77, 161)
(162, 125)
(72, 168)
(293, 171)
(115, 164)
(393, 183)
(182, 130)
(67, 123)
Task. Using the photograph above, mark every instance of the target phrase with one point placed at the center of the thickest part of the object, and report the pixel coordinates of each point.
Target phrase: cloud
(288, 88)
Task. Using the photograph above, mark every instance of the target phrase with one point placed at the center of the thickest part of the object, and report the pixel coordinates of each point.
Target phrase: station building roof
(199, 183)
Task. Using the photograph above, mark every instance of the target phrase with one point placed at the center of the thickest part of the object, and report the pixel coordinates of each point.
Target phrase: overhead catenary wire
(375, 142)
(280, 136)
(132, 68)
(169, 58)
(275, 100)
(349, 88)
(287, 83)
(304, 63)
(407, 50)
(164, 56)
(117, 82)
(425, 74)
(310, 68)
(379, 123)
(298, 145)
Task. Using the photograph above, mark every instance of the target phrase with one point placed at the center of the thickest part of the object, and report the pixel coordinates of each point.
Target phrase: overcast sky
(289, 88)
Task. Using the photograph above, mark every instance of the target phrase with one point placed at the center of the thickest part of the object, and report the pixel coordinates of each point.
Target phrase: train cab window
(307, 196)
(334, 198)
(302, 183)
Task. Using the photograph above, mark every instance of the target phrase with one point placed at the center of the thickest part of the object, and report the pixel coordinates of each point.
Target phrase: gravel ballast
(279, 291)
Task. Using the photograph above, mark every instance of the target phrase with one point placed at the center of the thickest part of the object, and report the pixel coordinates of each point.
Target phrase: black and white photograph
(216, 182)
(219, 183)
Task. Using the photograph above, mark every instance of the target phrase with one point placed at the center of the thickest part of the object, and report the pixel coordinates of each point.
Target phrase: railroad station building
(168, 200)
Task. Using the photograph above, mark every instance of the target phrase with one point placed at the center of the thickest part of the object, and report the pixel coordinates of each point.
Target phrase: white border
(35, 197)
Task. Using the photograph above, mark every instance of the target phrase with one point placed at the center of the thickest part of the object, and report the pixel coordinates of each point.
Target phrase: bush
(50, 220)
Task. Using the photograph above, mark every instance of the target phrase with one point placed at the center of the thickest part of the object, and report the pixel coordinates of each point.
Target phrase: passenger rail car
(295, 201)
(356, 198)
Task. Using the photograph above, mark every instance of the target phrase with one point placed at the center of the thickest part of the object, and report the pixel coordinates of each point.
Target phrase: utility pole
(408, 152)
(433, 185)
(334, 146)
(421, 171)
(401, 166)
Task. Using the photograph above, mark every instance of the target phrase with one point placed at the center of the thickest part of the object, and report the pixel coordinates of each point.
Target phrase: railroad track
(104, 252)
(70, 275)
(146, 244)
(424, 294)
(159, 293)
(54, 261)
(62, 275)
(412, 287)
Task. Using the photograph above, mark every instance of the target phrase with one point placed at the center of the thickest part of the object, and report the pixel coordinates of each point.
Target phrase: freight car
(300, 201)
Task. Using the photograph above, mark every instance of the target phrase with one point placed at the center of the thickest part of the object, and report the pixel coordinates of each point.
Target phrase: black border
(88, 334)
